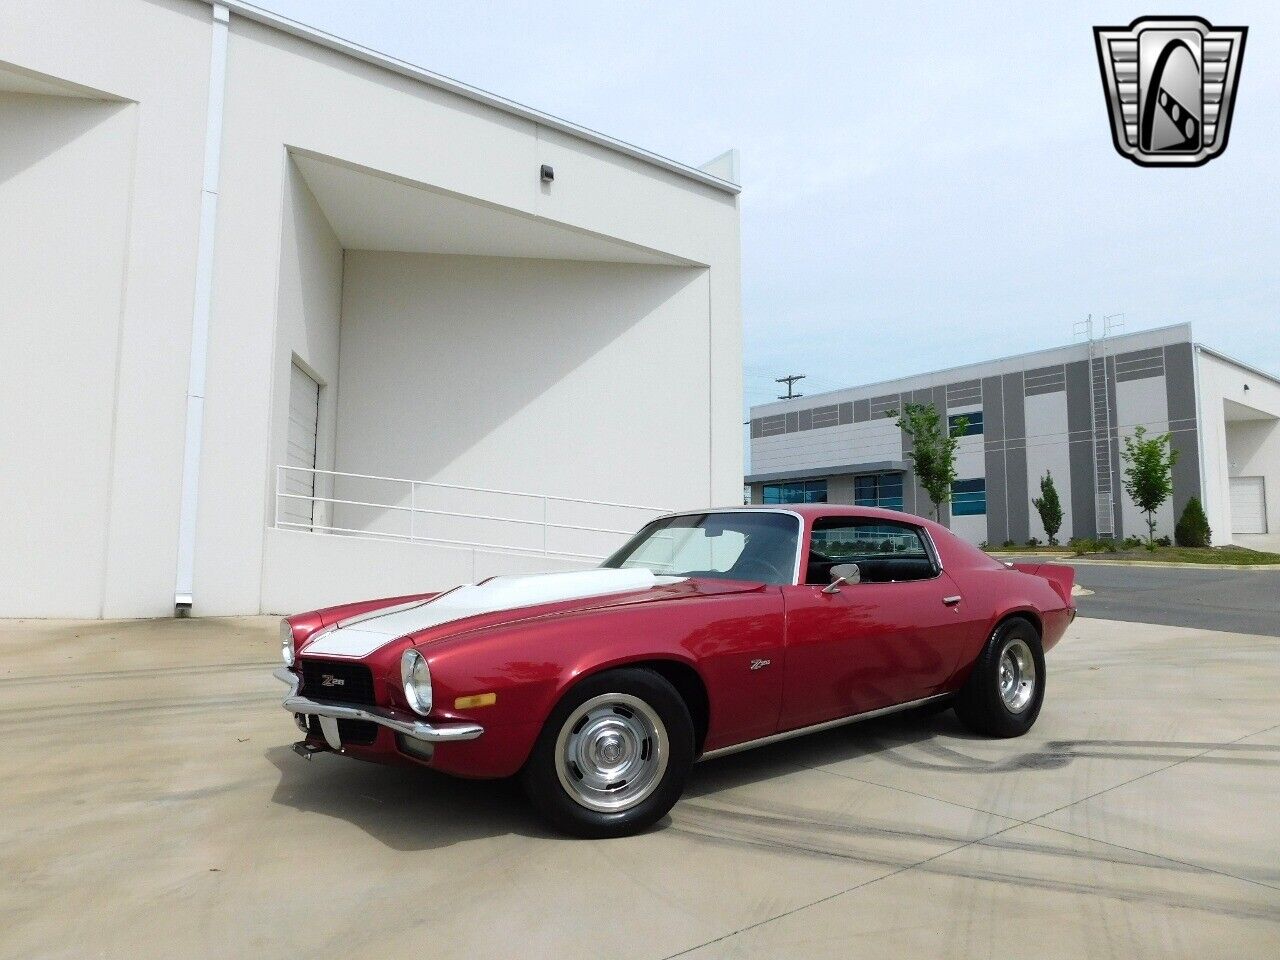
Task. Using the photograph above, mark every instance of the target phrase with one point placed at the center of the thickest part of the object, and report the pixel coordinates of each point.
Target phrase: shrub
(1033, 542)
(1049, 507)
(1192, 528)
(1132, 542)
(1008, 543)
(1163, 542)
(1083, 545)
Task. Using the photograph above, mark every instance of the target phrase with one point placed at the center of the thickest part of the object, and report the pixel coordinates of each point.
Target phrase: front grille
(337, 680)
(355, 732)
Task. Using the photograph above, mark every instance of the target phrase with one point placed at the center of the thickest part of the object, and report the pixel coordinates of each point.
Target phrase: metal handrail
(413, 509)
(458, 486)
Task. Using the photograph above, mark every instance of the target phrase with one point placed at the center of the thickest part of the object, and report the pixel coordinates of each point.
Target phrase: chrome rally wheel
(611, 752)
(1017, 675)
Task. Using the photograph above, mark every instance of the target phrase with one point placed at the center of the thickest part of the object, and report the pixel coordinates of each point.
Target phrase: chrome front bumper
(401, 721)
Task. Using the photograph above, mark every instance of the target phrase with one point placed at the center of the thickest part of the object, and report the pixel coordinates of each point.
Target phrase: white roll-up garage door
(304, 413)
(1248, 505)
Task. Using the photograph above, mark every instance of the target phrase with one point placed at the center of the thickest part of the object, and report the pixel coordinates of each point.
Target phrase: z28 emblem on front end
(329, 680)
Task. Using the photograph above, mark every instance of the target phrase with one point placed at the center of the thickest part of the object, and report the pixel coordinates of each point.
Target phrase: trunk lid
(1061, 578)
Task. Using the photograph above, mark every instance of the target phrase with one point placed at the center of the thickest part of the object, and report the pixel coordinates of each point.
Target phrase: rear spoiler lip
(1060, 576)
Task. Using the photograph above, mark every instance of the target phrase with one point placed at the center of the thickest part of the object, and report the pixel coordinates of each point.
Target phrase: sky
(923, 185)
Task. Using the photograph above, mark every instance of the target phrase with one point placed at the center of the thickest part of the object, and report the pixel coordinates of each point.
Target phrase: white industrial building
(289, 322)
(1063, 411)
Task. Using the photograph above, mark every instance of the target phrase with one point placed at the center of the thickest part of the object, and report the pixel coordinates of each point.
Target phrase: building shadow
(404, 808)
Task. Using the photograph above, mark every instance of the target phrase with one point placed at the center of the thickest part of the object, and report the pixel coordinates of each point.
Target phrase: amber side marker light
(475, 700)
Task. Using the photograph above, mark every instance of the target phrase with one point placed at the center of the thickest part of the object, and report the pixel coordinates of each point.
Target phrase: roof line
(252, 12)
(1239, 363)
(977, 363)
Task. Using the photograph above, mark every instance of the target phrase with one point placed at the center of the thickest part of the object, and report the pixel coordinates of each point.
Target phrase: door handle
(951, 601)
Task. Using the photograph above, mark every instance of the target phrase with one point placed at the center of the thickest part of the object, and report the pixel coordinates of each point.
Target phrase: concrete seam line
(838, 893)
(913, 793)
(1143, 776)
(970, 843)
(1033, 822)
(1155, 856)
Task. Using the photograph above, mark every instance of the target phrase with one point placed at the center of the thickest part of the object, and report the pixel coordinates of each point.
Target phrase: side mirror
(849, 573)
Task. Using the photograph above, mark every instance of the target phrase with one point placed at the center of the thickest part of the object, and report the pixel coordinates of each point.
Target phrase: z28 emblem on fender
(329, 680)
(759, 664)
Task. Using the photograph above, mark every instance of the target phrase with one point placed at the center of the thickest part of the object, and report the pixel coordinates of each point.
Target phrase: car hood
(502, 599)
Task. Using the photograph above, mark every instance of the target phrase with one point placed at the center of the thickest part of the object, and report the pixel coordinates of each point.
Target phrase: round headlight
(416, 677)
(286, 643)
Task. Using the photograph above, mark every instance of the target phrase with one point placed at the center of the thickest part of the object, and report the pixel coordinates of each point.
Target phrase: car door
(891, 638)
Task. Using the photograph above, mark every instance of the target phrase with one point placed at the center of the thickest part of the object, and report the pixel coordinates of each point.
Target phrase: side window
(885, 551)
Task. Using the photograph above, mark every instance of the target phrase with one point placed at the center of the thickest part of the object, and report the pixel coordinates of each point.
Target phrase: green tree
(1148, 474)
(1049, 507)
(933, 449)
(1192, 529)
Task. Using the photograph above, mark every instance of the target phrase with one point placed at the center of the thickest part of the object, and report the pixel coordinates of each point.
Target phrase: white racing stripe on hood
(367, 634)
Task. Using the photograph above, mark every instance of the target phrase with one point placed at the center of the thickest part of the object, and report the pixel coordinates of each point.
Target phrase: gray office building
(1063, 411)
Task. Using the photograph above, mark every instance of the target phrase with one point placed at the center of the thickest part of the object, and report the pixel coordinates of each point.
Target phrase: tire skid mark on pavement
(140, 673)
(1227, 906)
(78, 713)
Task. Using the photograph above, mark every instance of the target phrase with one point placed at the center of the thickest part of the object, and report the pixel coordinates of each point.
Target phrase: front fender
(529, 667)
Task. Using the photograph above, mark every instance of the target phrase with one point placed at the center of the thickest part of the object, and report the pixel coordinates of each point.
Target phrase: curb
(1154, 564)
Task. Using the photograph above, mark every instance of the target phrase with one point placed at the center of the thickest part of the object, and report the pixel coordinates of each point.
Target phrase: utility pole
(790, 380)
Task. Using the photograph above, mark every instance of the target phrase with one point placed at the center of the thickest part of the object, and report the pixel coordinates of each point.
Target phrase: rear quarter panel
(993, 591)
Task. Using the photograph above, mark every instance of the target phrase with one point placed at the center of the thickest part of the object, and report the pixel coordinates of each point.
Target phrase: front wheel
(613, 756)
(1003, 694)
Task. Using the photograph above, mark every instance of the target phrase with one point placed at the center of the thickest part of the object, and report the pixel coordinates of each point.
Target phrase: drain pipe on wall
(201, 307)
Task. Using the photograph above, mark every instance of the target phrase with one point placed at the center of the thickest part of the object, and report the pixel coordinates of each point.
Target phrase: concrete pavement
(153, 809)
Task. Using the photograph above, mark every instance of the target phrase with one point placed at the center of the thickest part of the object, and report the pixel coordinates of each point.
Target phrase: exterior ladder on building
(1100, 398)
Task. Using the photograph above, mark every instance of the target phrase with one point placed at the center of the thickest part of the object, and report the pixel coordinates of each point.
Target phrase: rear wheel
(1003, 694)
(613, 756)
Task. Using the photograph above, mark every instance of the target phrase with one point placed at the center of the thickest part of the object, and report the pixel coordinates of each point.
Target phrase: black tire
(617, 691)
(980, 703)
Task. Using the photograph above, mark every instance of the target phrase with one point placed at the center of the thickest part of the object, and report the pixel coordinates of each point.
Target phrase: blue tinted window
(974, 425)
(796, 491)
(969, 497)
(878, 490)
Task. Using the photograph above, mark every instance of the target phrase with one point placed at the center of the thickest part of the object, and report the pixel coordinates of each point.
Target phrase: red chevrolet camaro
(707, 633)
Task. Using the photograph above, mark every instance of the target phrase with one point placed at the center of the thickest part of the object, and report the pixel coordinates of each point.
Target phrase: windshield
(747, 545)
